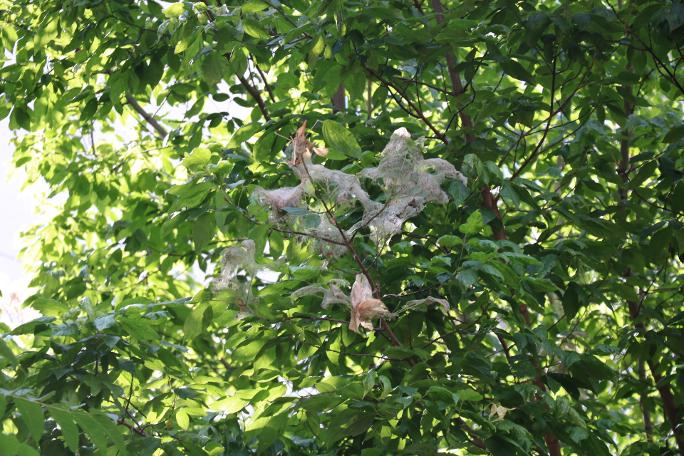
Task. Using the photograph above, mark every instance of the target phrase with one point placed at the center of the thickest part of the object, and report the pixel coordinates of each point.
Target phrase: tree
(349, 227)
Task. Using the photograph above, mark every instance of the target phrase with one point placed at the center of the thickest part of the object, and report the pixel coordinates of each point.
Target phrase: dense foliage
(237, 267)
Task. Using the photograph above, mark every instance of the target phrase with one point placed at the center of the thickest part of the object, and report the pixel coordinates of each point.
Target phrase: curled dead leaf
(499, 411)
(300, 145)
(443, 303)
(321, 151)
(365, 308)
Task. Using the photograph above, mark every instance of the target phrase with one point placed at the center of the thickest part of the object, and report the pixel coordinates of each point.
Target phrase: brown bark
(488, 199)
(256, 95)
(145, 115)
(338, 100)
(670, 408)
(669, 404)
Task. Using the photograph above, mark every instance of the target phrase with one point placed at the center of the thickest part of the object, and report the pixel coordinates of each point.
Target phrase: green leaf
(11, 446)
(7, 354)
(469, 395)
(35, 326)
(32, 416)
(111, 429)
(213, 68)
(473, 225)
(318, 47)
(230, 405)
(89, 110)
(467, 277)
(191, 194)
(449, 241)
(182, 419)
(200, 156)
(174, 10)
(254, 29)
(193, 324)
(253, 6)
(66, 424)
(573, 300)
(203, 230)
(444, 394)
(91, 427)
(677, 197)
(674, 135)
(22, 116)
(139, 328)
(339, 139)
(516, 70)
(105, 322)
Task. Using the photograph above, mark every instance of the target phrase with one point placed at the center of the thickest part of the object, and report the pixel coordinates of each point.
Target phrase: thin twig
(412, 110)
(256, 95)
(376, 289)
(536, 149)
(263, 79)
(488, 199)
(245, 83)
(145, 115)
(649, 49)
(301, 233)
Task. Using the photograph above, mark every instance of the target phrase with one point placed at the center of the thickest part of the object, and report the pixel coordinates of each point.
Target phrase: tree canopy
(348, 227)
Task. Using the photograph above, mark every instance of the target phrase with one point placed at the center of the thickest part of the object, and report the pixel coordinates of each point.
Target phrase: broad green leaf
(449, 241)
(66, 423)
(339, 139)
(200, 156)
(10, 445)
(193, 324)
(105, 322)
(469, 395)
(254, 6)
(174, 10)
(111, 429)
(32, 416)
(92, 428)
(473, 225)
(203, 230)
(213, 68)
(6, 353)
(516, 70)
(182, 419)
(254, 29)
(674, 135)
(573, 300)
(230, 405)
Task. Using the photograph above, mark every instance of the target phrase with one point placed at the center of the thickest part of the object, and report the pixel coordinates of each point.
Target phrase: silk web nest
(409, 182)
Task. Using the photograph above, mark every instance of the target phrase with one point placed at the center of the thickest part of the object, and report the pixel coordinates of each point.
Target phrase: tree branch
(245, 83)
(488, 199)
(256, 95)
(376, 289)
(648, 425)
(162, 132)
(474, 439)
(302, 233)
(534, 153)
(338, 99)
(412, 110)
(267, 86)
(649, 49)
(634, 308)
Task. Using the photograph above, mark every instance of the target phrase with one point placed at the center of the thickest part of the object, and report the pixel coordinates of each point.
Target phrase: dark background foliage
(561, 259)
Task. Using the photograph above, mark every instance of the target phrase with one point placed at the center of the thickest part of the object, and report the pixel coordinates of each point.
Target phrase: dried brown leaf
(365, 308)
